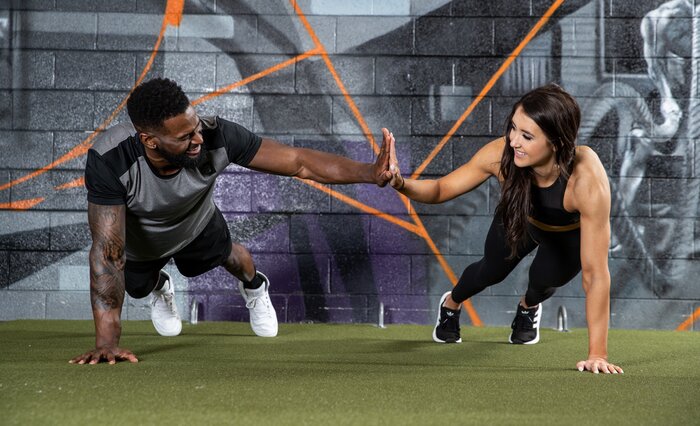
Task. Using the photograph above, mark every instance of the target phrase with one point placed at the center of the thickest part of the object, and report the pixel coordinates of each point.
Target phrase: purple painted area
(232, 192)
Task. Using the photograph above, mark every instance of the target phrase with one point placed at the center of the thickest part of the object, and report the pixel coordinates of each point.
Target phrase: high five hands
(387, 165)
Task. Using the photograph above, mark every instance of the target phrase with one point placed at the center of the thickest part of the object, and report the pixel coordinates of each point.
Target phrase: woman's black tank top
(548, 211)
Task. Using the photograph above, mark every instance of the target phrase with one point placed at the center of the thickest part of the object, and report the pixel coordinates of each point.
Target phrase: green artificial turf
(219, 373)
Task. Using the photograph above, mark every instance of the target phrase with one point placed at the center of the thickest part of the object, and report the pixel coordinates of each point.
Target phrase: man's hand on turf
(598, 365)
(109, 355)
(382, 174)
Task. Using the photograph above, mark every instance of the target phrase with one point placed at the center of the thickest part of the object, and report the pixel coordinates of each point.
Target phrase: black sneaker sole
(437, 322)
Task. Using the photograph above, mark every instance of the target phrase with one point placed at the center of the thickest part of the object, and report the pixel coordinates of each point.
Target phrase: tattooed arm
(107, 258)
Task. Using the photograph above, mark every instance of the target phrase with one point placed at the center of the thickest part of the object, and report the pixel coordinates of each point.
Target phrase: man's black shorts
(208, 250)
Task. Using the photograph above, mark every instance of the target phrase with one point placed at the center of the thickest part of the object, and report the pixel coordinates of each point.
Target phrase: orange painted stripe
(473, 315)
(363, 207)
(21, 204)
(83, 147)
(79, 182)
(173, 12)
(329, 64)
(259, 75)
(685, 325)
(489, 85)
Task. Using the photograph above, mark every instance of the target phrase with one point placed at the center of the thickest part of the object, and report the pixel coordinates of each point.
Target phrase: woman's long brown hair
(558, 115)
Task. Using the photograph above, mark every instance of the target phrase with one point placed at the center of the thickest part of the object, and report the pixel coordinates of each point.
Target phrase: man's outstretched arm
(277, 158)
(107, 259)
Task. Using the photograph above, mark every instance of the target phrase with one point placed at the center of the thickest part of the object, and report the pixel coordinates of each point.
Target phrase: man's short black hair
(154, 101)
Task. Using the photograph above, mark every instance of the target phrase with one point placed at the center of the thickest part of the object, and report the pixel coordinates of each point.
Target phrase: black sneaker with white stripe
(447, 326)
(526, 325)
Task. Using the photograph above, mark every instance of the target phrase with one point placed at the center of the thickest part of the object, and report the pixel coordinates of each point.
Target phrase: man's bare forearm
(107, 259)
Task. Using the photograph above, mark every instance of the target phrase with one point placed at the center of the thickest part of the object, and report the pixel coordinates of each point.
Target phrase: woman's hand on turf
(598, 365)
(109, 355)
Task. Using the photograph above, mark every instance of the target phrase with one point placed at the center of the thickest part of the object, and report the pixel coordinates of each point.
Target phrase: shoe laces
(451, 323)
(167, 298)
(522, 321)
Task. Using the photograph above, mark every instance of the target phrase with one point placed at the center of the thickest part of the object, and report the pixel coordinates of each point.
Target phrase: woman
(555, 196)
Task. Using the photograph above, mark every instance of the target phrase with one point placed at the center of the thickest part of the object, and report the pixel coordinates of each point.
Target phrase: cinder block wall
(412, 66)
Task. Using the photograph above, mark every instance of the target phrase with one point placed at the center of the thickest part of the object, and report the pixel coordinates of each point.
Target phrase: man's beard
(183, 160)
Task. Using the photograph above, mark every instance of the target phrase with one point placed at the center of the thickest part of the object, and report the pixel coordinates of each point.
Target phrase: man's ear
(147, 140)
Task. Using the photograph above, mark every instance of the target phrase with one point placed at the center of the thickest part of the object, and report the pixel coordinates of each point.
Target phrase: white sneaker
(263, 318)
(164, 313)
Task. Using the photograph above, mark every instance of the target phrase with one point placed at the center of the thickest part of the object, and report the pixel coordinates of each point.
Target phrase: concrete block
(69, 231)
(282, 271)
(648, 314)
(454, 36)
(215, 280)
(378, 112)
(97, 6)
(468, 234)
(338, 7)
(632, 278)
(75, 277)
(65, 142)
(47, 110)
(43, 270)
(470, 8)
(232, 68)
(375, 35)
(635, 204)
(355, 72)
(95, 70)
(402, 309)
(391, 7)
(133, 32)
(232, 192)
(604, 148)
(375, 274)
(676, 279)
(207, 26)
(22, 305)
(139, 309)
(383, 200)
(68, 305)
(387, 238)
(669, 238)
(24, 230)
(27, 70)
(243, 39)
(287, 34)
(70, 199)
(4, 269)
(427, 117)
(281, 194)
(665, 196)
(410, 75)
(299, 114)
(27, 150)
(106, 103)
(236, 108)
(27, 4)
(431, 7)
(47, 30)
(511, 31)
(260, 233)
(329, 233)
(6, 109)
(194, 72)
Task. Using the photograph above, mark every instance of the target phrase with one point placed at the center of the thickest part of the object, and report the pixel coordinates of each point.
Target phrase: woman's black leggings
(557, 261)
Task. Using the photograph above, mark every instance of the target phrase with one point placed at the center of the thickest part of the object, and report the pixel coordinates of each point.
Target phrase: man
(150, 189)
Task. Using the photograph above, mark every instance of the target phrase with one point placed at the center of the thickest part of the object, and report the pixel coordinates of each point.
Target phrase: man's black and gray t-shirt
(163, 213)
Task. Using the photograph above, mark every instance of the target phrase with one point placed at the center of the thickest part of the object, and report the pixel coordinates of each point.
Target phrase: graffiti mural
(441, 75)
